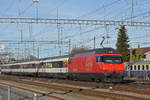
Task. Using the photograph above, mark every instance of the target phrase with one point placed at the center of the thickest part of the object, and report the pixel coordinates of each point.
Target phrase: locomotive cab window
(112, 59)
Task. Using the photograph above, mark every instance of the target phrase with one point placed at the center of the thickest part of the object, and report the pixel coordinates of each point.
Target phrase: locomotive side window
(98, 59)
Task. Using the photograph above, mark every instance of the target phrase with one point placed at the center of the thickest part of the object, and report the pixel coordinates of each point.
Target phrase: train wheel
(92, 79)
(70, 78)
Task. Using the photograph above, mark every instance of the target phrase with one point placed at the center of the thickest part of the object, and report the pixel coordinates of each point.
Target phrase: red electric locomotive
(103, 64)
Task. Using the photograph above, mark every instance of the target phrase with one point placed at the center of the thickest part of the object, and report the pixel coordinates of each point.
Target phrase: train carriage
(104, 64)
(24, 68)
(54, 67)
(139, 69)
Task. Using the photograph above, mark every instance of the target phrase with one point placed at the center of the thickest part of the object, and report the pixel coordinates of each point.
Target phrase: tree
(132, 58)
(123, 43)
(138, 53)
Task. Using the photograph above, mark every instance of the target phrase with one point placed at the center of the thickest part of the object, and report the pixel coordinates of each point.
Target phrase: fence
(10, 93)
(142, 75)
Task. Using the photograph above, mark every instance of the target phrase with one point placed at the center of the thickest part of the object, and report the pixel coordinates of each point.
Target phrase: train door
(0, 70)
(37, 65)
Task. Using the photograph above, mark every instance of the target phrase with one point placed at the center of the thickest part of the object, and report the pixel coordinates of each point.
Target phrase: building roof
(140, 62)
(145, 49)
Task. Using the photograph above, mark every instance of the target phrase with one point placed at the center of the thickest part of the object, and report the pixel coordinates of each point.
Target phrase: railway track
(31, 91)
(65, 87)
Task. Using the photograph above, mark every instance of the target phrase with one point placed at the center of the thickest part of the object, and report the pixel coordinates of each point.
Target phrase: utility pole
(69, 45)
(30, 38)
(94, 42)
(132, 11)
(38, 52)
(107, 33)
(36, 4)
(30, 31)
(59, 28)
(21, 35)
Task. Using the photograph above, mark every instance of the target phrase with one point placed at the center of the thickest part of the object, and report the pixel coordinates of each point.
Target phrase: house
(145, 53)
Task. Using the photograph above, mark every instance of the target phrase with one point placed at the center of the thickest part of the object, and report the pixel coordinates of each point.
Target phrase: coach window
(48, 65)
(60, 64)
(127, 68)
(56, 64)
(131, 67)
(138, 67)
(142, 67)
(25, 66)
(33, 65)
(147, 67)
(134, 67)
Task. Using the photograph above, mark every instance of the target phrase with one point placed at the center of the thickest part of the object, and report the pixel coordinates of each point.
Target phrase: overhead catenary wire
(81, 33)
(56, 8)
(91, 39)
(98, 9)
(85, 31)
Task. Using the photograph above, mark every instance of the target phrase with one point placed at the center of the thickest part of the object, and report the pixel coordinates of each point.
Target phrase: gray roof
(140, 62)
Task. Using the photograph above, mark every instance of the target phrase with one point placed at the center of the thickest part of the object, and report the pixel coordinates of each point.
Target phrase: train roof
(48, 59)
(139, 62)
(95, 51)
(55, 57)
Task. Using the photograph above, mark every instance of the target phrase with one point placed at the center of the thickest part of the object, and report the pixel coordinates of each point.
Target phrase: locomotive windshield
(112, 59)
(109, 59)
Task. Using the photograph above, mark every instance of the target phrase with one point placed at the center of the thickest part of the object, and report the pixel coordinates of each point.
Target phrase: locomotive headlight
(106, 71)
(120, 71)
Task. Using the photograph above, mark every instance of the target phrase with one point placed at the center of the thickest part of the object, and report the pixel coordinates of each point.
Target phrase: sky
(80, 35)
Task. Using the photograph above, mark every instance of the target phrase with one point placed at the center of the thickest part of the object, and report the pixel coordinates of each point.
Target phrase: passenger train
(139, 69)
(104, 64)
